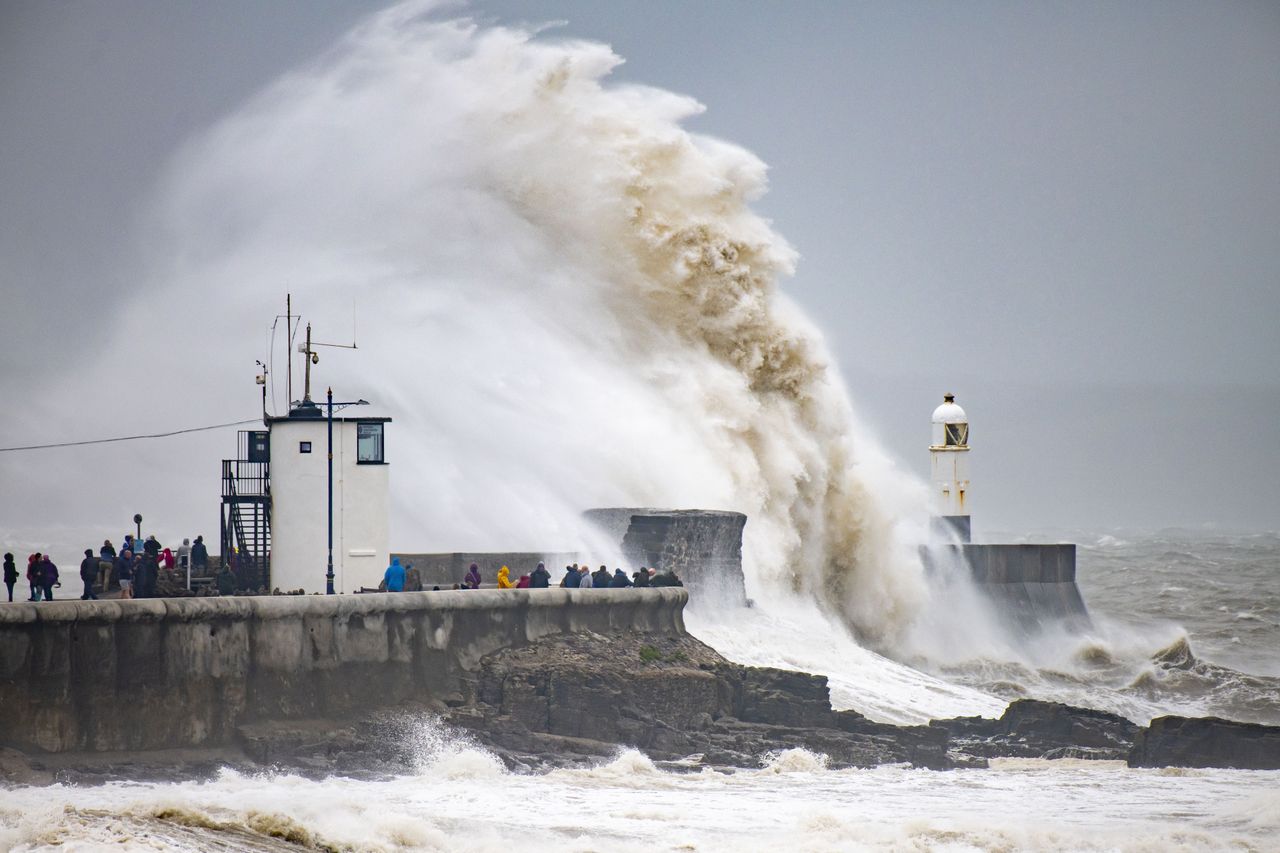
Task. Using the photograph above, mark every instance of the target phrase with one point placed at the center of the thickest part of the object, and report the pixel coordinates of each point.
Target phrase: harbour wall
(97, 676)
(1033, 586)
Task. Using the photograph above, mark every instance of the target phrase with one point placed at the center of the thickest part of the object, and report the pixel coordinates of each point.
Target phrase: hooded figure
(540, 578)
(394, 576)
(640, 578)
(504, 579)
(620, 579)
(472, 580)
(571, 580)
(523, 583)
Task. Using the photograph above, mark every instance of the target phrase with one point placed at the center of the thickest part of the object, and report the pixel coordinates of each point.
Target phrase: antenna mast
(288, 347)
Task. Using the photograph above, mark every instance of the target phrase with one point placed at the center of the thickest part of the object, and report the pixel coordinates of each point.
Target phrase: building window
(304, 447)
(957, 435)
(369, 444)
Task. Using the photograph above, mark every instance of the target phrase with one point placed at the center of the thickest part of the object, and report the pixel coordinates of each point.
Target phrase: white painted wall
(951, 480)
(299, 510)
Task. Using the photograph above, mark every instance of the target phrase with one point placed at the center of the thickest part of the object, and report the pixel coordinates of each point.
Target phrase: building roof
(949, 413)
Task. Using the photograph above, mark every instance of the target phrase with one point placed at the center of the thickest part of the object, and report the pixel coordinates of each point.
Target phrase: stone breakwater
(99, 676)
(543, 678)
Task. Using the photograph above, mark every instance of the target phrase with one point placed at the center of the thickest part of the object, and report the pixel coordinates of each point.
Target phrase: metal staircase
(246, 512)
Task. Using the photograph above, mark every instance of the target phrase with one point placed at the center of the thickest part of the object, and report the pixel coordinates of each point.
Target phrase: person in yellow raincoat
(504, 582)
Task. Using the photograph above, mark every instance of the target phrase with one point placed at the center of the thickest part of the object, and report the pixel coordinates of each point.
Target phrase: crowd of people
(404, 578)
(136, 568)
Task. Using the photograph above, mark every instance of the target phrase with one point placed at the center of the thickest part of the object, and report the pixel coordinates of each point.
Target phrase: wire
(130, 437)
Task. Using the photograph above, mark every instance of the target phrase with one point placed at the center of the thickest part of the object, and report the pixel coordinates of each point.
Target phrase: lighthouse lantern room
(949, 452)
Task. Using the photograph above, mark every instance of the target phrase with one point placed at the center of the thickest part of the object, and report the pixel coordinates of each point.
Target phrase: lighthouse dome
(949, 413)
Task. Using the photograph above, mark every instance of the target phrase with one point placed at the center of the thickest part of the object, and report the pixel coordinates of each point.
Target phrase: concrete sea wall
(170, 673)
(1031, 585)
(703, 547)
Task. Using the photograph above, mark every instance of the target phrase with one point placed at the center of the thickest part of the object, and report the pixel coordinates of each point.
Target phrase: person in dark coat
(152, 549)
(88, 574)
(472, 579)
(10, 574)
(571, 579)
(199, 555)
(600, 579)
(540, 578)
(123, 569)
(620, 579)
(146, 571)
(667, 578)
(48, 577)
(640, 578)
(33, 576)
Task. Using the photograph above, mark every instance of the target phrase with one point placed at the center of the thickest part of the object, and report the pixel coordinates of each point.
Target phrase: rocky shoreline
(575, 699)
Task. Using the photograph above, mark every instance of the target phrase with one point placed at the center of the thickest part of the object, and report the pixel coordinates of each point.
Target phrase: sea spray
(562, 296)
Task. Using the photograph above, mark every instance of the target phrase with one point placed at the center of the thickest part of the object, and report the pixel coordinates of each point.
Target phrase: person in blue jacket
(394, 577)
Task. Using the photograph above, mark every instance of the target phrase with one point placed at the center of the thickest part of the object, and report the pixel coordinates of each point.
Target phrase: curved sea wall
(92, 676)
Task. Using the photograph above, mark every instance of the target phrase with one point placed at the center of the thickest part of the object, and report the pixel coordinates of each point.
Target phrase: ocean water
(458, 797)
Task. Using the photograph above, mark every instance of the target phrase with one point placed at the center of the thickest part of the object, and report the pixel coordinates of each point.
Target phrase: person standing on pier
(540, 578)
(473, 577)
(394, 576)
(199, 556)
(10, 574)
(88, 574)
(33, 576)
(106, 559)
(48, 577)
(124, 573)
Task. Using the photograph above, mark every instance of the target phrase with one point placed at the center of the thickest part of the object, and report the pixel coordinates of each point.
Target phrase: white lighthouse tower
(949, 452)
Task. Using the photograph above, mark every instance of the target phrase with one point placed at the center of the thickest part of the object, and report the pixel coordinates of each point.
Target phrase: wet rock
(1030, 728)
(1206, 742)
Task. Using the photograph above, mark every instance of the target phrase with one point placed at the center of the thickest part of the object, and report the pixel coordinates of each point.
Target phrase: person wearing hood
(10, 574)
(504, 579)
(540, 578)
(472, 579)
(620, 579)
(601, 579)
(523, 583)
(88, 574)
(571, 579)
(640, 578)
(184, 555)
(48, 577)
(394, 576)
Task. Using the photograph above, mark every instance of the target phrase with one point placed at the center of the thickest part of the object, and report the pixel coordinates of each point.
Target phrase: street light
(329, 405)
(137, 519)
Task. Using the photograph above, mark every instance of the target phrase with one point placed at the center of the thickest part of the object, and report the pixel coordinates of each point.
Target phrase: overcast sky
(1066, 213)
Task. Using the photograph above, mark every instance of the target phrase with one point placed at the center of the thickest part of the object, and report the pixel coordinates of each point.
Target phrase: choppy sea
(1184, 622)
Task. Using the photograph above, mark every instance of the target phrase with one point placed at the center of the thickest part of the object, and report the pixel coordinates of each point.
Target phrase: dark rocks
(672, 697)
(1206, 742)
(1030, 728)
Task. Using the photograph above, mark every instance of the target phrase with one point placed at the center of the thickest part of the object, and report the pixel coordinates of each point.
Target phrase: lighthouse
(949, 453)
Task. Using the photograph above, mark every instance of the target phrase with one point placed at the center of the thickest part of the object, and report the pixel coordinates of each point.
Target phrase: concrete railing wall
(169, 673)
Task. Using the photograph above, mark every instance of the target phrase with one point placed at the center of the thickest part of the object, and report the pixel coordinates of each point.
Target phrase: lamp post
(328, 587)
(137, 519)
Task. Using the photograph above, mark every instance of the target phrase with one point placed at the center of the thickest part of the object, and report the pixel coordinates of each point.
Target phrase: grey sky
(1067, 213)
